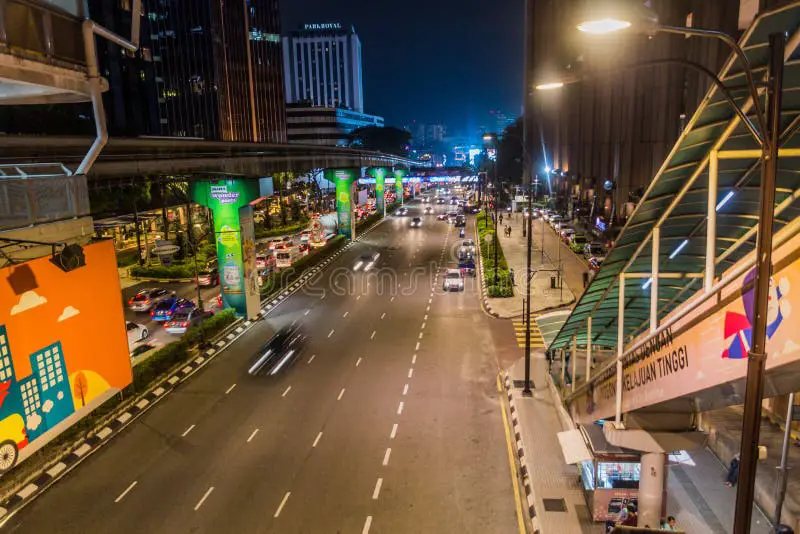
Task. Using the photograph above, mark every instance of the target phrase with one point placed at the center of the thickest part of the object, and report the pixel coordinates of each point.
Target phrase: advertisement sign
(225, 197)
(707, 349)
(251, 278)
(345, 180)
(63, 348)
(399, 176)
(378, 175)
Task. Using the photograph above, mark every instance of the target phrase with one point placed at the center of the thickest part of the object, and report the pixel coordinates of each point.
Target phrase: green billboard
(379, 173)
(345, 180)
(225, 198)
(399, 176)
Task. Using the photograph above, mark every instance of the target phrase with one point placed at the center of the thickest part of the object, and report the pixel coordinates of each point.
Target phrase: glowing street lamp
(549, 86)
(602, 26)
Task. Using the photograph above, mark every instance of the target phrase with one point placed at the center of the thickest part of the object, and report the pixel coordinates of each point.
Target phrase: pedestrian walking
(501, 218)
(669, 524)
(509, 231)
(733, 471)
(511, 272)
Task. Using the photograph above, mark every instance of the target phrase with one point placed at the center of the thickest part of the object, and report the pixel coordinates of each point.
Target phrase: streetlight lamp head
(602, 26)
(547, 168)
(549, 86)
(487, 137)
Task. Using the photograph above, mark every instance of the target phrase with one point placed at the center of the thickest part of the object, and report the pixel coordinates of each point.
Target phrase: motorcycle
(461, 233)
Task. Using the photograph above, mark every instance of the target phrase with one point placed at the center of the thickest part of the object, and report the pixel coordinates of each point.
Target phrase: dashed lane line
(377, 491)
(400, 408)
(282, 504)
(127, 490)
(341, 394)
(286, 391)
(185, 432)
(393, 433)
(319, 436)
(386, 456)
(230, 389)
(203, 498)
(252, 435)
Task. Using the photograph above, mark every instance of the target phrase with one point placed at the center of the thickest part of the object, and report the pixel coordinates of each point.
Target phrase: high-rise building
(310, 125)
(205, 69)
(322, 65)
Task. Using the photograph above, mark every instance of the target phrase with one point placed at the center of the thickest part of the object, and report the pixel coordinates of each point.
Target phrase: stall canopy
(676, 199)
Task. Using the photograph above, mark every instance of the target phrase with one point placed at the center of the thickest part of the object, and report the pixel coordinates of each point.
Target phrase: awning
(574, 447)
(676, 199)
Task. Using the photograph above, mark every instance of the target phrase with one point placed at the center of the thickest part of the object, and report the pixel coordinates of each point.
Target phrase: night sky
(433, 61)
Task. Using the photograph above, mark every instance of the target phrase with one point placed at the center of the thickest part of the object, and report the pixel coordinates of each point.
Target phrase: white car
(468, 245)
(366, 261)
(136, 333)
(416, 222)
(453, 280)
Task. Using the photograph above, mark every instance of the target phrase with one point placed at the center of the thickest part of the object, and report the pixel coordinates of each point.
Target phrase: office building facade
(306, 124)
(322, 65)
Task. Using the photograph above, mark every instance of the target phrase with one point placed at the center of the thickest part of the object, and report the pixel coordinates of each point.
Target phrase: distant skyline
(448, 62)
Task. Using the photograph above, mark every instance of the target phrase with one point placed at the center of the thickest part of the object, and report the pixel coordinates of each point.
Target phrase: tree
(509, 153)
(297, 212)
(389, 140)
(81, 387)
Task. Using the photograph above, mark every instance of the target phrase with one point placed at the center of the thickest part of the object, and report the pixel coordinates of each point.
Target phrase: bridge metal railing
(40, 193)
(41, 33)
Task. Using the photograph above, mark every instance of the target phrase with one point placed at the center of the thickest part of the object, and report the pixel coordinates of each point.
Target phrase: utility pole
(527, 389)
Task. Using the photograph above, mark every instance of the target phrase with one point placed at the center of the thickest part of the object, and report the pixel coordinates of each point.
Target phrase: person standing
(669, 524)
(733, 471)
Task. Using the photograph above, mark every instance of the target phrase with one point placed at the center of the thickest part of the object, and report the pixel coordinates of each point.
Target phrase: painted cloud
(68, 312)
(47, 406)
(28, 300)
(34, 420)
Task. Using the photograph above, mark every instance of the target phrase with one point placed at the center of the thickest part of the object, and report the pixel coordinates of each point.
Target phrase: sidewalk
(543, 297)
(696, 494)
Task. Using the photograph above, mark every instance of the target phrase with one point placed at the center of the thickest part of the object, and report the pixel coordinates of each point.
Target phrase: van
(286, 257)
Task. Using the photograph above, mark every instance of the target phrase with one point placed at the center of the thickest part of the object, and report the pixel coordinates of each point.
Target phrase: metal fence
(40, 193)
(40, 32)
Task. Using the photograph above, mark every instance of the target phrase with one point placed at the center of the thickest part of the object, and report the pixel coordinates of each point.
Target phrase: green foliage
(388, 140)
(296, 211)
(159, 271)
(128, 257)
(287, 229)
(504, 287)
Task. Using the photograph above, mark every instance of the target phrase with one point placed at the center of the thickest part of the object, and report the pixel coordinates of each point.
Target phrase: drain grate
(520, 384)
(554, 505)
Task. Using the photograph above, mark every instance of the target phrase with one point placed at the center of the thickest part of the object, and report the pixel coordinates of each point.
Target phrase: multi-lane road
(390, 421)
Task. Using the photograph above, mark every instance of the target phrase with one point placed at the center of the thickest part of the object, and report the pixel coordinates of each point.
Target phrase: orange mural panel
(63, 348)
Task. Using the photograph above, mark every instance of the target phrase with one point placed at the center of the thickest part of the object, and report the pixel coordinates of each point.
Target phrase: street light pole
(527, 389)
(756, 357)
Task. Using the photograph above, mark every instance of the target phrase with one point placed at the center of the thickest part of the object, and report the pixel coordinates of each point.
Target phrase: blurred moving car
(466, 264)
(208, 277)
(453, 281)
(367, 261)
(281, 243)
(145, 299)
(402, 211)
(280, 351)
(577, 242)
(440, 201)
(416, 222)
(136, 333)
(460, 221)
(284, 258)
(428, 210)
(595, 248)
(305, 236)
(468, 245)
(442, 217)
(185, 318)
(165, 309)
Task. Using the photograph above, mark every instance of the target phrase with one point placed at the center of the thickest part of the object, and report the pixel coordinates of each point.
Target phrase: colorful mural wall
(63, 348)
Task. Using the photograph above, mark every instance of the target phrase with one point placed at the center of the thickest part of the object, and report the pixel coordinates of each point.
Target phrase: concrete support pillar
(651, 488)
(345, 180)
(399, 174)
(379, 173)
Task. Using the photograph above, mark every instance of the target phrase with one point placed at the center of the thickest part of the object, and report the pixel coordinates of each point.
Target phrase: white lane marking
(428, 308)
(286, 391)
(358, 297)
(425, 318)
(414, 359)
(405, 390)
(410, 372)
(311, 359)
(383, 315)
(391, 299)
(330, 333)
(122, 495)
(400, 408)
(230, 389)
(345, 314)
(417, 348)
(386, 456)
(252, 435)
(431, 293)
(322, 297)
(367, 524)
(203, 499)
(307, 312)
(373, 334)
(319, 436)
(185, 432)
(358, 361)
(283, 503)
(341, 394)
(423, 325)
(394, 431)
(377, 490)
(420, 335)
(430, 301)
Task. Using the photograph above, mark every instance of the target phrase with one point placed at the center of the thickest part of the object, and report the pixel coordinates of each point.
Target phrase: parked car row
(593, 251)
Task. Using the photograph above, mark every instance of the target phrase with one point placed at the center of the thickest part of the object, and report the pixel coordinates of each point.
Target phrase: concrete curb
(485, 306)
(136, 407)
(520, 447)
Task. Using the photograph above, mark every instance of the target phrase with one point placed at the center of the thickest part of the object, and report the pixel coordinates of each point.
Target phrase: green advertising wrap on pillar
(379, 173)
(345, 180)
(224, 198)
(399, 176)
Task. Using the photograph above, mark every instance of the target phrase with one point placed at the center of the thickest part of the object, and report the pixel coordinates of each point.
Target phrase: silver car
(146, 299)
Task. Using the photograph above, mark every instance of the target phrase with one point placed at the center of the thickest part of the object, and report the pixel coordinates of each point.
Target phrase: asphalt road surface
(389, 422)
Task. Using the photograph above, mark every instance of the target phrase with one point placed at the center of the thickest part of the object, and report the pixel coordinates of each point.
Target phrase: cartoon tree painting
(81, 387)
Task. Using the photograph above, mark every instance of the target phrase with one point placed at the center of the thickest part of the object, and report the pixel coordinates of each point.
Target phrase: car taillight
(152, 313)
(185, 323)
(130, 302)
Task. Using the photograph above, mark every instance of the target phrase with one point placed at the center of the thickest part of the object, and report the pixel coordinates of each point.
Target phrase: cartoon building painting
(56, 401)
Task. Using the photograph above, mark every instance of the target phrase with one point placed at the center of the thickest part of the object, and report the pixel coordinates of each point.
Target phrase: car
(473, 209)
(265, 262)
(451, 216)
(466, 264)
(304, 249)
(577, 242)
(208, 277)
(285, 257)
(440, 201)
(428, 210)
(305, 236)
(566, 233)
(13, 437)
(594, 248)
(281, 243)
(279, 352)
(426, 200)
(442, 217)
(185, 318)
(136, 333)
(145, 299)
(416, 222)
(595, 262)
(453, 281)
(165, 309)
(366, 261)
(460, 221)
(402, 211)
(468, 245)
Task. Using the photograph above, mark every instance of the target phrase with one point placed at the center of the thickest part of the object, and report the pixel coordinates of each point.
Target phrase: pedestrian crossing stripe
(537, 340)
